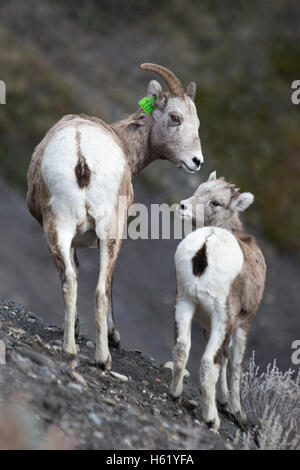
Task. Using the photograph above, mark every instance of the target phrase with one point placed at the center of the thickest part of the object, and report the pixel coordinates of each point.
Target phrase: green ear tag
(147, 104)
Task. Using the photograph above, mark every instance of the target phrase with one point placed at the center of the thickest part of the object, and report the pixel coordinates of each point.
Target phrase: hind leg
(59, 241)
(76, 267)
(222, 387)
(113, 334)
(239, 338)
(184, 311)
(210, 365)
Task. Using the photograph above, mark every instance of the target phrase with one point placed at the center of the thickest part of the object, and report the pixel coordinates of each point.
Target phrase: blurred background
(83, 56)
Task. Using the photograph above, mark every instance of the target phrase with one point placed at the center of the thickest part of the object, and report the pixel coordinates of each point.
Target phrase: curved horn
(169, 77)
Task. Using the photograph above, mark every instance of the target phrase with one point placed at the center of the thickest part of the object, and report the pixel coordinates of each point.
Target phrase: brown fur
(37, 194)
(199, 261)
(249, 285)
(82, 171)
(134, 134)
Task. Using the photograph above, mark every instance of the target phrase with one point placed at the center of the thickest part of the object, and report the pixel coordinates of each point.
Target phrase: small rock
(76, 387)
(127, 442)
(190, 404)
(79, 379)
(73, 364)
(98, 435)
(52, 329)
(121, 377)
(90, 345)
(95, 419)
(16, 331)
(109, 401)
(183, 431)
(39, 340)
(31, 320)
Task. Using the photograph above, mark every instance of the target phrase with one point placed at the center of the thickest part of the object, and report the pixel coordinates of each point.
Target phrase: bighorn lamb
(83, 165)
(220, 274)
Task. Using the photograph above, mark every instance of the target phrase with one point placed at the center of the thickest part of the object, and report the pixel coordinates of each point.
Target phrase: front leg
(184, 311)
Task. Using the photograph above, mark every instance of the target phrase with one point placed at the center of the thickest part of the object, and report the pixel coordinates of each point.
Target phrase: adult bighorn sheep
(83, 164)
(220, 274)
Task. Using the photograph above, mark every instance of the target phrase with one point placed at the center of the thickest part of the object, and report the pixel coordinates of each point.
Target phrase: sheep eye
(175, 118)
(215, 203)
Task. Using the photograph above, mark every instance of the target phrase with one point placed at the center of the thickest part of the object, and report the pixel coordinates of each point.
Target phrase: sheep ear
(242, 202)
(212, 176)
(155, 89)
(191, 90)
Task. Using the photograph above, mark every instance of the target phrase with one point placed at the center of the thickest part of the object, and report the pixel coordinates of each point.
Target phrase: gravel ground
(85, 408)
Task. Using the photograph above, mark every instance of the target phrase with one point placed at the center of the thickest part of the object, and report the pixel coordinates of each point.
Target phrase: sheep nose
(182, 206)
(196, 161)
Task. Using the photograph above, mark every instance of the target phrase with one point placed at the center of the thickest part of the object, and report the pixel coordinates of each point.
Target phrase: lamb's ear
(155, 89)
(242, 202)
(212, 176)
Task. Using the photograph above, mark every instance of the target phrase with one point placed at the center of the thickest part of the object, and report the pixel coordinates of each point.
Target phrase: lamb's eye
(175, 118)
(215, 203)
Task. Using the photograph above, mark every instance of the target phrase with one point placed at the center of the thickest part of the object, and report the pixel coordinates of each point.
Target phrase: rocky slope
(72, 404)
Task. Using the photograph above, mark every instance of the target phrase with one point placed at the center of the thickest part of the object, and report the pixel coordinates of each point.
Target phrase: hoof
(77, 327)
(175, 390)
(176, 399)
(240, 416)
(66, 356)
(104, 365)
(214, 424)
(114, 339)
(215, 431)
(70, 350)
(224, 408)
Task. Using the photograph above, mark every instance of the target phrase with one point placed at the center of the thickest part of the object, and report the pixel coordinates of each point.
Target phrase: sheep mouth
(186, 168)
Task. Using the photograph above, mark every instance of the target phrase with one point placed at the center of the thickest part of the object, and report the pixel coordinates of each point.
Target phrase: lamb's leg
(239, 338)
(113, 334)
(59, 242)
(222, 387)
(184, 311)
(210, 366)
